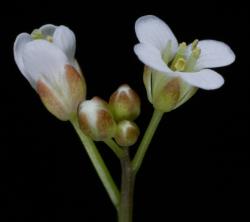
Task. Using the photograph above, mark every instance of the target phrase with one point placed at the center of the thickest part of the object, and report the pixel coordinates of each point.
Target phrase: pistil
(180, 64)
(179, 55)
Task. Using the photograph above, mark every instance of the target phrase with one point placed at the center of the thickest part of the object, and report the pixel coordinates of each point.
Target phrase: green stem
(115, 148)
(99, 166)
(125, 213)
(154, 122)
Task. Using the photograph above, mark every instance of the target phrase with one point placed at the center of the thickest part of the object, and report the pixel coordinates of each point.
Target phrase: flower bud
(96, 120)
(127, 133)
(125, 103)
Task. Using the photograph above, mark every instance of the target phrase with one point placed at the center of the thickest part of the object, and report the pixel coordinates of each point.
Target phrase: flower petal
(153, 31)
(77, 67)
(205, 79)
(214, 54)
(19, 44)
(151, 57)
(65, 39)
(48, 30)
(45, 60)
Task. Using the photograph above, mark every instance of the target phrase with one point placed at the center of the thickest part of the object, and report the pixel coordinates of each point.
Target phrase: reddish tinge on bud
(127, 133)
(63, 102)
(125, 103)
(95, 119)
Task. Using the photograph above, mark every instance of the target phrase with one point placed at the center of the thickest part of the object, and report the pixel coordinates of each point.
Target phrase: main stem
(130, 169)
(125, 212)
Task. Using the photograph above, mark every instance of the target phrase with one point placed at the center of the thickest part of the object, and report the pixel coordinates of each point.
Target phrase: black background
(198, 164)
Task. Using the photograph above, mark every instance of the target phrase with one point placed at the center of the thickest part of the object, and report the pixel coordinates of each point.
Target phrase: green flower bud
(96, 120)
(127, 133)
(125, 104)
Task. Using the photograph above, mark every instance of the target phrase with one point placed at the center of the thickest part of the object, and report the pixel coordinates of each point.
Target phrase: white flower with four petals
(46, 58)
(159, 51)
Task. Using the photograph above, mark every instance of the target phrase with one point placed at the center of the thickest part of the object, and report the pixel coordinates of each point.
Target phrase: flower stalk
(118, 151)
(143, 147)
(99, 165)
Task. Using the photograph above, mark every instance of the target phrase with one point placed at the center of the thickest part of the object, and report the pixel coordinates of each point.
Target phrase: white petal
(19, 44)
(205, 79)
(65, 39)
(90, 108)
(153, 31)
(77, 67)
(214, 54)
(48, 29)
(44, 60)
(151, 57)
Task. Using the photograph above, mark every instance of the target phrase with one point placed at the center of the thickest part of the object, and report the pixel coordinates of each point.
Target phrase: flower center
(37, 34)
(184, 59)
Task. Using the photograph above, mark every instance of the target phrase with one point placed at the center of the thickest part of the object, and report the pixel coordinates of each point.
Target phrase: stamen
(37, 34)
(193, 59)
(181, 50)
(196, 52)
(194, 44)
(49, 38)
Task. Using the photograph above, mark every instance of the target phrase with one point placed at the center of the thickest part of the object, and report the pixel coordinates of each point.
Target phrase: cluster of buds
(102, 121)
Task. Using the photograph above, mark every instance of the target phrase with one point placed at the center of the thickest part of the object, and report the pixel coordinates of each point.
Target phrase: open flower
(174, 72)
(46, 58)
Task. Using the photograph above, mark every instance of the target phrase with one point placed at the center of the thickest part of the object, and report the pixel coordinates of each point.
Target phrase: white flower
(46, 58)
(158, 49)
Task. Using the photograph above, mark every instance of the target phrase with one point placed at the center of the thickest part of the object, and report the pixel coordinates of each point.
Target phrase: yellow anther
(180, 64)
(37, 34)
(49, 38)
